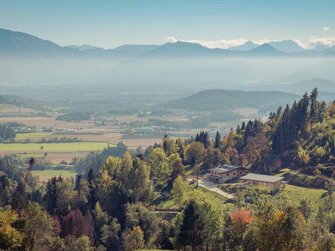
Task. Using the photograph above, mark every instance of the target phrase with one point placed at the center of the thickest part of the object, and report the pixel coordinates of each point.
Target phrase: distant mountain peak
(13, 42)
(265, 50)
(249, 45)
(180, 48)
(288, 46)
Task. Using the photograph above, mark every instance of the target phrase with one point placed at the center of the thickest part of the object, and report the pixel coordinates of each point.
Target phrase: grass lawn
(45, 175)
(52, 147)
(213, 197)
(296, 193)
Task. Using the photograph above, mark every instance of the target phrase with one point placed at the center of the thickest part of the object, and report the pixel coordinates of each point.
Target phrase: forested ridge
(111, 203)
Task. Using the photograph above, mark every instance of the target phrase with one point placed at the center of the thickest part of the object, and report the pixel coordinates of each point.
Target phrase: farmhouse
(224, 173)
(273, 183)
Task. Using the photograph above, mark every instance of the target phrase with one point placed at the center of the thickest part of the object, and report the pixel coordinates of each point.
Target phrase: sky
(110, 23)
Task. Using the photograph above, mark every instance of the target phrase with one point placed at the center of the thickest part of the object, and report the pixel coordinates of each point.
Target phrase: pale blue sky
(109, 23)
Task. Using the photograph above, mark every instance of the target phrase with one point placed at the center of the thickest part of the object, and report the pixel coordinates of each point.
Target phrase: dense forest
(110, 205)
(74, 116)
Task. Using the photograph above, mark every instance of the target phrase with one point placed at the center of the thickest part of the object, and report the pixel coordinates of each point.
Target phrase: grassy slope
(296, 193)
(215, 198)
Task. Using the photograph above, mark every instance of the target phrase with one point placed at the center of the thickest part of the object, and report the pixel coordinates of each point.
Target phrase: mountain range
(23, 44)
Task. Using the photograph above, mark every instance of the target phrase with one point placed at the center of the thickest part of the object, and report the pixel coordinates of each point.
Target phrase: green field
(52, 147)
(215, 198)
(44, 175)
(33, 136)
(295, 193)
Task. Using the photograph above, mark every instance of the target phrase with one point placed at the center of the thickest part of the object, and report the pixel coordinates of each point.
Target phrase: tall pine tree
(217, 141)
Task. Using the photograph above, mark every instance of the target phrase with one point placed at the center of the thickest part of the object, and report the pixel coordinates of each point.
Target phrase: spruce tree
(243, 126)
(217, 141)
(51, 196)
(314, 114)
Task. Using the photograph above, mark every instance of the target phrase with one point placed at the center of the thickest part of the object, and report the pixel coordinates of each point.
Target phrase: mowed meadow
(51, 147)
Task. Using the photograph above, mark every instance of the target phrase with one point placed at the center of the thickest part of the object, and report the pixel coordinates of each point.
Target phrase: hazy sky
(109, 23)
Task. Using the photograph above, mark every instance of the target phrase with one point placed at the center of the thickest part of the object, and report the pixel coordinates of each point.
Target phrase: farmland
(54, 152)
(51, 147)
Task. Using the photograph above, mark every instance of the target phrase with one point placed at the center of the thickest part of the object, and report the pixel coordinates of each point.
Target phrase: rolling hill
(219, 100)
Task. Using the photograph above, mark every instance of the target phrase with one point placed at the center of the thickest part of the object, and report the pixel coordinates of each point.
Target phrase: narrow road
(213, 187)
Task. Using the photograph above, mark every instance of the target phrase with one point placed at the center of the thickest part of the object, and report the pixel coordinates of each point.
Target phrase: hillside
(299, 136)
(218, 100)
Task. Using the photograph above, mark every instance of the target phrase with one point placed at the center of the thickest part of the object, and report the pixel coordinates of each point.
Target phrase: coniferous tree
(203, 138)
(243, 126)
(50, 198)
(180, 145)
(165, 235)
(190, 233)
(217, 141)
(21, 196)
(165, 143)
(92, 200)
(314, 104)
(281, 137)
(279, 112)
(238, 129)
(303, 114)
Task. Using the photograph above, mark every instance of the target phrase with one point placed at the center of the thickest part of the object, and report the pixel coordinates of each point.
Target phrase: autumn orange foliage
(241, 216)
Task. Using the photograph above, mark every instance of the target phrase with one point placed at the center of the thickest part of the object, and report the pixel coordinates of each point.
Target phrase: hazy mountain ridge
(287, 46)
(326, 87)
(219, 99)
(265, 50)
(22, 43)
(19, 43)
